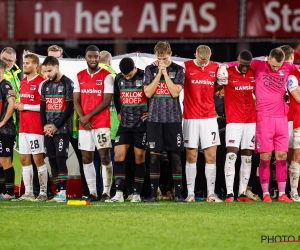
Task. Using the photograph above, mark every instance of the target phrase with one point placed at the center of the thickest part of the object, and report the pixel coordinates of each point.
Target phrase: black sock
(140, 170)
(119, 173)
(176, 171)
(2, 181)
(54, 170)
(62, 171)
(10, 180)
(154, 173)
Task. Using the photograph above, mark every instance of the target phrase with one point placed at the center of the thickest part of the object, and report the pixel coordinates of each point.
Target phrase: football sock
(2, 181)
(107, 178)
(264, 175)
(154, 173)
(54, 171)
(281, 175)
(90, 176)
(210, 174)
(245, 172)
(119, 173)
(43, 178)
(190, 172)
(177, 171)
(294, 176)
(10, 180)
(62, 171)
(230, 171)
(140, 170)
(27, 174)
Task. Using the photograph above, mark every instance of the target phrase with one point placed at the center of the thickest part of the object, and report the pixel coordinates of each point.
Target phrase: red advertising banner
(3, 23)
(126, 19)
(266, 18)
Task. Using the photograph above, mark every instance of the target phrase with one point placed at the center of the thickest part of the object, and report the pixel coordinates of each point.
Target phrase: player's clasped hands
(49, 130)
(85, 122)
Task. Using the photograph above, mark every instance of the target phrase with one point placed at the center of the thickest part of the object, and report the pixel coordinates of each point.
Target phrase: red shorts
(271, 134)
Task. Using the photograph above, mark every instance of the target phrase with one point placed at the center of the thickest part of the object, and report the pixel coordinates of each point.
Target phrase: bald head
(105, 57)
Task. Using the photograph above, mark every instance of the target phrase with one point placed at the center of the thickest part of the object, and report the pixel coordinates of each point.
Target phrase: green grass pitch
(163, 225)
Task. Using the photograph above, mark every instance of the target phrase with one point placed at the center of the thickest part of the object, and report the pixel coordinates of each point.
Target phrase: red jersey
(238, 100)
(293, 83)
(199, 90)
(30, 94)
(92, 88)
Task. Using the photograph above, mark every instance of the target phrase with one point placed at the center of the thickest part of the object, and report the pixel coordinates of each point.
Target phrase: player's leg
(172, 133)
(6, 153)
(61, 143)
(281, 142)
(27, 169)
(234, 133)
(36, 147)
(265, 131)
(191, 139)
(247, 146)
(103, 144)
(87, 146)
(294, 169)
(156, 146)
(139, 142)
(210, 139)
(74, 143)
(122, 144)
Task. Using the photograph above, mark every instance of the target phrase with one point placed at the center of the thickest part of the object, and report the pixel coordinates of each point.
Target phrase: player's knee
(296, 156)
(119, 156)
(280, 155)
(39, 160)
(25, 160)
(139, 158)
(86, 159)
(105, 157)
(191, 157)
(210, 158)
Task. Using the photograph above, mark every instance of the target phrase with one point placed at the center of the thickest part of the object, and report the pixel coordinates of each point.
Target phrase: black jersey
(56, 94)
(133, 99)
(162, 106)
(9, 128)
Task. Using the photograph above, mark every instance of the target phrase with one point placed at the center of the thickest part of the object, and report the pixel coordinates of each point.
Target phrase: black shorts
(132, 136)
(164, 136)
(6, 146)
(58, 145)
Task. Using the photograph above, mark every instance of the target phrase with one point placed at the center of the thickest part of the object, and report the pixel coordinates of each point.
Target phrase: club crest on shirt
(212, 74)
(281, 72)
(138, 83)
(60, 89)
(99, 82)
(7, 86)
(172, 74)
(32, 87)
(47, 89)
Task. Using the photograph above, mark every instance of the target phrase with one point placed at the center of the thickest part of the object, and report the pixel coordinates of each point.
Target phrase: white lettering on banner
(145, 21)
(187, 18)
(101, 21)
(46, 19)
(286, 12)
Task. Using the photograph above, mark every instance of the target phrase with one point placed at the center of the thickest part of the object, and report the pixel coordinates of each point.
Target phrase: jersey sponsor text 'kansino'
(133, 97)
(91, 91)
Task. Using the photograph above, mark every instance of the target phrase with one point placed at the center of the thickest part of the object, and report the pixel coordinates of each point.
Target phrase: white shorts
(99, 138)
(240, 134)
(31, 144)
(200, 132)
(296, 141)
(291, 134)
